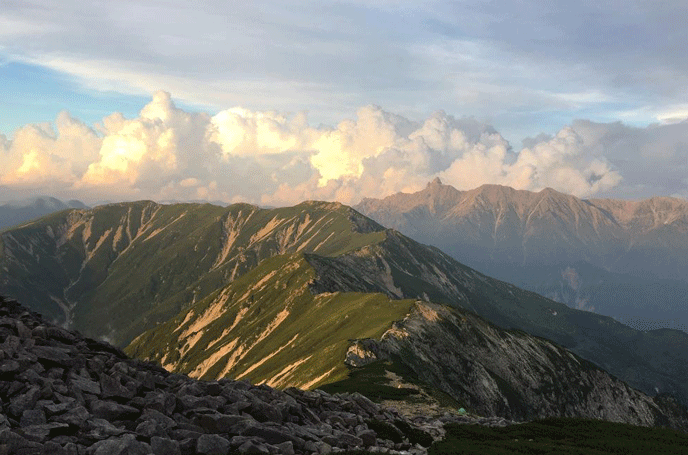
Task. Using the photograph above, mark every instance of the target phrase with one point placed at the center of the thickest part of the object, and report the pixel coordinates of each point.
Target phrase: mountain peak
(436, 182)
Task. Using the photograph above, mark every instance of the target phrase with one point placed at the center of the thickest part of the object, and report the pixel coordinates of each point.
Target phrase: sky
(274, 102)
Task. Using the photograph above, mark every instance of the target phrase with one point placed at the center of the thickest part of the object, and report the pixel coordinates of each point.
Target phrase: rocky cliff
(510, 373)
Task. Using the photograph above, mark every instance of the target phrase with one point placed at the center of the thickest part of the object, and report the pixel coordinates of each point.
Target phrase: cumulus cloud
(272, 158)
(43, 153)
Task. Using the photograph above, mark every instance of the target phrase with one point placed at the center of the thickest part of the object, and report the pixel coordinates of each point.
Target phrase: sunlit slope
(268, 327)
(116, 270)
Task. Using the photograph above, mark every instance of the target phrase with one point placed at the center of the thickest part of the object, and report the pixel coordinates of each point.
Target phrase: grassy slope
(317, 328)
(129, 266)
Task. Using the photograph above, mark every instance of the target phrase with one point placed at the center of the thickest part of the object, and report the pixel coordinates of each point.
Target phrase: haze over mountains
(626, 259)
(278, 296)
(19, 211)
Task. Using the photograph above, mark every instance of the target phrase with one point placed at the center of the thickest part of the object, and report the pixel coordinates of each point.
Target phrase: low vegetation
(560, 436)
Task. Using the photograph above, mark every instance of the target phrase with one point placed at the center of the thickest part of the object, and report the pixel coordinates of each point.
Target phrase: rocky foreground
(64, 394)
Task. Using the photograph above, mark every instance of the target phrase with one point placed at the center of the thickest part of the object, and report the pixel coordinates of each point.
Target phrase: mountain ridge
(165, 260)
(516, 235)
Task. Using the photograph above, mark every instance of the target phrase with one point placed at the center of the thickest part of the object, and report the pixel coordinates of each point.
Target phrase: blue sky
(524, 68)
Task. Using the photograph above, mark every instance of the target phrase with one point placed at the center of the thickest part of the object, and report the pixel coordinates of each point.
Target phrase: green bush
(385, 430)
(414, 435)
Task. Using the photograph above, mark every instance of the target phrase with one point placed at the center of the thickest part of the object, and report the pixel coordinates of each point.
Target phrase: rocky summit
(65, 394)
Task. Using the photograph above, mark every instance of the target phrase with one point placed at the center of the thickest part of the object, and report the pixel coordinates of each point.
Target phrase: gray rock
(111, 387)
(150, 428)
(368, 437)
(53, 355)
(99, 429)
(322, 447)
(216, 422)
(272, 435)
(25, 401)
(41, 433)
(164, 446)
(343, 440)
(32, 417)
(71, 449)
(76, 416)
(263, 412)
(86, 385)
(58, 408)
(113, 411)
(212, 444)
(124, 445)
(164, 421)
(253, 447)
(53, 448)
(9, 366)
(17, 445)
(286, 448)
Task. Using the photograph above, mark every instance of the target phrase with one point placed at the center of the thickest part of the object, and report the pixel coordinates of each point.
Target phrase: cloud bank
(270, 158)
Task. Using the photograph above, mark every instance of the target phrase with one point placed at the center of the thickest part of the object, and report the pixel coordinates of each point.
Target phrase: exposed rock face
(119, 269)
(361, 353)
(510, 373)
(64, 394)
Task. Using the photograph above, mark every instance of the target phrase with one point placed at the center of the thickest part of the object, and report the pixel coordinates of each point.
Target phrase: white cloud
(41, 154)
(270, 158)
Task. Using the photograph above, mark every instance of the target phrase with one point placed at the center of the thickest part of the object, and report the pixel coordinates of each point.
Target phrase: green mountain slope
(117, 270)
(268, 327)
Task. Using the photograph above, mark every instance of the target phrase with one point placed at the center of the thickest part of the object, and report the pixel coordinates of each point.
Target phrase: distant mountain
(17, 212)
(316, 271)
(619, 258)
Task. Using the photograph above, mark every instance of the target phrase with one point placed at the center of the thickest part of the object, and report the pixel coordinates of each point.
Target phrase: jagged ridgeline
(282, 295)
(620, 258)
(117, 270)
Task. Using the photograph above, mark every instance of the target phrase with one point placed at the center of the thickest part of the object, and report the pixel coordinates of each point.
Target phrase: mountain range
(19, 211)
(626, 259)
(305, 295)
